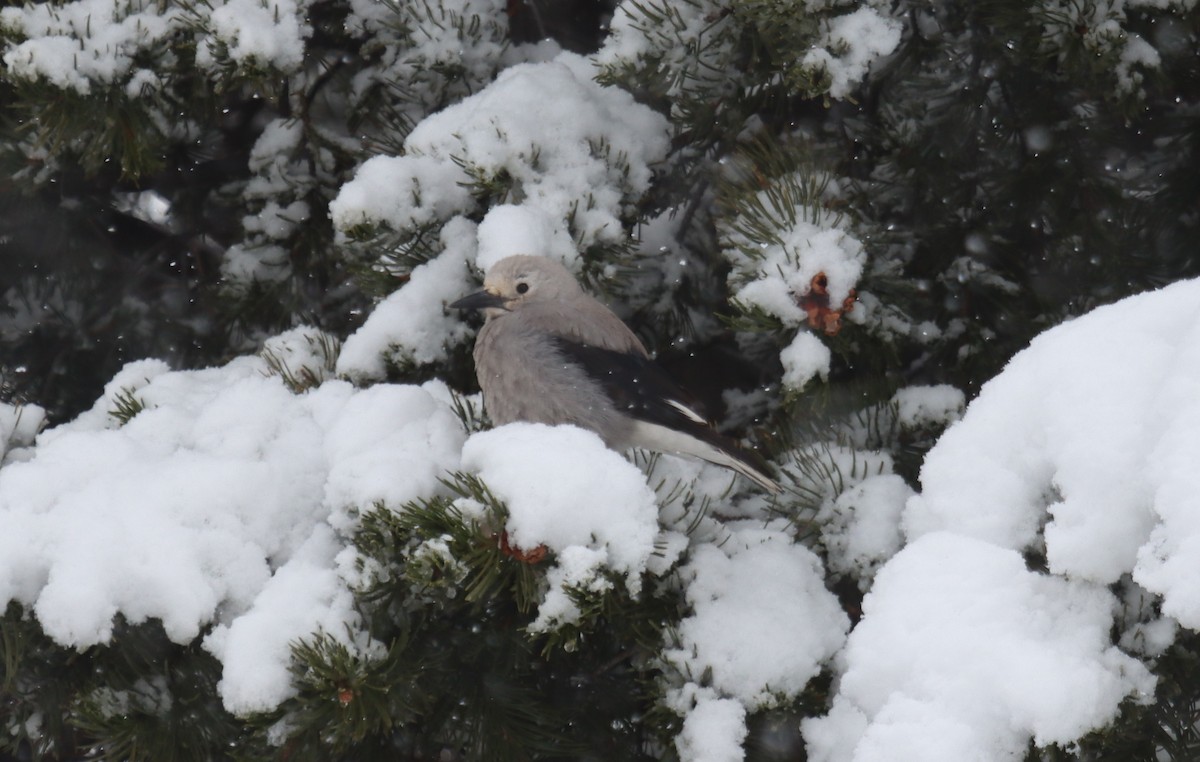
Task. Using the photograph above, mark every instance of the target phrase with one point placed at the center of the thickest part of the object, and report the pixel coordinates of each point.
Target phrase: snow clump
(567, 491)
(213, 498)
(1082, 452)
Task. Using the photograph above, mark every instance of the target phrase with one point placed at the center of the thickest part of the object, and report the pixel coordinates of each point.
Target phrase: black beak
(480, 300)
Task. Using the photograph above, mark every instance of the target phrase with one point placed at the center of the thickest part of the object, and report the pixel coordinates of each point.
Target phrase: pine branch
(126, 405)
(348, 696)
(321, 365)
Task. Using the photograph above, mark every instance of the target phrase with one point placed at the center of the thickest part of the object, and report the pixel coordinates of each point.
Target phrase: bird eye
(522, 287)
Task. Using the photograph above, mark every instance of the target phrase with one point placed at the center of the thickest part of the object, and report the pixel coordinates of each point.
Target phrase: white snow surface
(72, 45)
(262, 32)
(1089, 429)
(442, 51)
(780, 272)
(935, 405)
(964, 654)
(573, 149)
(714, 730)
(76, 45)
(850, 44)
(806, 358)
(697, 44)
(282, 175)
(1084, 448)
(762, 625)
(743, 593)
(220, 505)
(412, 324)
(1103, 28)
(223, 508)
(508, 229)
(774, 277)
(566, 490)
(19, 424)
(860, 528)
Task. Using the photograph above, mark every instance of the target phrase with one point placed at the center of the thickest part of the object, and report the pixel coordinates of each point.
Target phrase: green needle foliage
(451, 668)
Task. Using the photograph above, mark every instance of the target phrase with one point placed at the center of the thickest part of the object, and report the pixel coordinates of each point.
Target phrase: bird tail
(707, 445)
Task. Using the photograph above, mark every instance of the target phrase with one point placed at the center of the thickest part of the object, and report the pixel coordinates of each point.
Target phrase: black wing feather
(635, 384)
(639, 388)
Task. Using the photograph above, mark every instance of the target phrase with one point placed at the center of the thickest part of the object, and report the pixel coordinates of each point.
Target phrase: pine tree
(841, 206)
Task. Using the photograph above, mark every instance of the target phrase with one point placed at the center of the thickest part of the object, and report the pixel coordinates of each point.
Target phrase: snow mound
(964, 654)
(1082, 450)
(412, 324)
(762, 625)
(1093, 431)
(850, 44)
(19, 424)
(214, 499)
(594, 144)
(566, 490)
(76, 45)
(743, 594)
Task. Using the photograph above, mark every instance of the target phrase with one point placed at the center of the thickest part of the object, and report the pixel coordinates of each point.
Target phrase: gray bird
(550, 353)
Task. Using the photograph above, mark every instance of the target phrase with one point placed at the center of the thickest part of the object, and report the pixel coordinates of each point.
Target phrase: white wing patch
(692, 414)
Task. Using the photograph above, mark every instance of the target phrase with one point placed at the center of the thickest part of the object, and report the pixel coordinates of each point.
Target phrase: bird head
(516, 281)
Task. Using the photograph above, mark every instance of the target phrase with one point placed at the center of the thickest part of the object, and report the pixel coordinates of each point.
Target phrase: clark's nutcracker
(550, 353)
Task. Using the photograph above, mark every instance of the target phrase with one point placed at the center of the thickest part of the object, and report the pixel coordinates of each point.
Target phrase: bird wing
(635, 384)
(641, 390)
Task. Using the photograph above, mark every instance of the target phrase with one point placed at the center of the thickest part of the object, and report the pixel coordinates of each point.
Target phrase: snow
(281, 176)
(220, 504)
(414, 437)
(149, 206)
(713, 731)
(412, 324)
(937, 405)
(18, 426)
(806, 358)
(507, 230)
(773, 276)
(851, 43)
(1137, 52)
(302, 597)
(572, 149)
(1081, 430)
(441, 51)
(1083, 449)
(410, 191)
(256, 32)
(225, 506)
(742, 594)
(566, 490)
(965, 654)
(90, 46)
(79, 45)
(694, 45)
(695, 48)
(70, 45)
(262, 263)
(860, 528)
(782, 271)
(1104, 30)
(745, 586)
